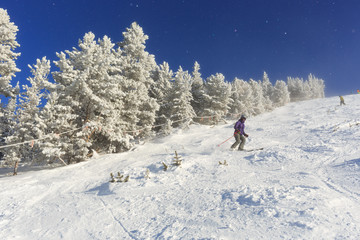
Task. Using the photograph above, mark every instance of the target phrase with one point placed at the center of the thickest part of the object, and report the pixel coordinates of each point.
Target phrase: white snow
(305, 184)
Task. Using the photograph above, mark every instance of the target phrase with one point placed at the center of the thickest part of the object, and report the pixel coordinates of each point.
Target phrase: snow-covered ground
(305, 184)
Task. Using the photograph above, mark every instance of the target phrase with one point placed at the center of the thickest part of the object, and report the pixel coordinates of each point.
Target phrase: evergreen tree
(216, 98)
(197, 90)
(257, 98)
(8, 43)
(28, 124)
(162, 91)
(237, 104)
(297, 89)
(3, 123)
(281, 95)
(60, 130)
(267, 92)
(242, 97)
(316, 86)
(181, 109)
(8, 128)
(138, 68)
(90, 86)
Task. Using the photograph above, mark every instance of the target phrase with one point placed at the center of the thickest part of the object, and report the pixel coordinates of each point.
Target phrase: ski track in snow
(305, 184)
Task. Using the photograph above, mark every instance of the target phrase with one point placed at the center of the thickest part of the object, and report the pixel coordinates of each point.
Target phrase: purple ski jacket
(239, 127)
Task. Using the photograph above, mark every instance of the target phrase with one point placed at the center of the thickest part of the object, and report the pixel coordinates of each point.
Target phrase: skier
(342, 102)
(240, 134)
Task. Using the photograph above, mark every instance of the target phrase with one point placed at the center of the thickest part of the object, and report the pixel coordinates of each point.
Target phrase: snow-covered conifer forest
(103, 97)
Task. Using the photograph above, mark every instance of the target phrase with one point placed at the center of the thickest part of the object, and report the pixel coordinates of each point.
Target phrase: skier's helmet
(243, 117)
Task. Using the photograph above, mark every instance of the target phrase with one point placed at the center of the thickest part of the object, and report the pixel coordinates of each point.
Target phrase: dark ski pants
(240, 139)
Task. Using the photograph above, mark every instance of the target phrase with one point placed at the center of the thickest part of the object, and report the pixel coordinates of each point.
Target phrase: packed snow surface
(305, 184)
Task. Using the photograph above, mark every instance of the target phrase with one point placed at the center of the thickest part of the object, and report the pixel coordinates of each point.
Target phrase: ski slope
(305, 184)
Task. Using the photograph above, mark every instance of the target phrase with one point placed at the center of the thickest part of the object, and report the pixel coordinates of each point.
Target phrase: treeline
(104, 97)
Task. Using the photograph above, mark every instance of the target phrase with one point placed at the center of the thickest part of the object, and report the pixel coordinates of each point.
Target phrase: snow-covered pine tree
(8, 44)
(237, 104)
(138, 67)
(161, 91)
(8, 128)
(216, 98)
(267, 92)
(197, 90)
(29, 124)
(297, 89)
(29, 112)
(3, 124)
(181, 109)
(307, 90)
(257, 98)
(75, 93)
(303, 90)
(58, 120)
(317, 87)
(281, 95)
(90, 86)
(110, 135)
(242, 98)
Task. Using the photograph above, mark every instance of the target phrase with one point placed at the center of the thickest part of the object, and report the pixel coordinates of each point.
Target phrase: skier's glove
(246, 135)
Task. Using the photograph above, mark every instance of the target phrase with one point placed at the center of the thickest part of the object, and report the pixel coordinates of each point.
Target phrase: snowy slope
(305, 184)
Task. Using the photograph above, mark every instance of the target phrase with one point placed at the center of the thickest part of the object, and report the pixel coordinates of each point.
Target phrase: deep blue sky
(240, 38)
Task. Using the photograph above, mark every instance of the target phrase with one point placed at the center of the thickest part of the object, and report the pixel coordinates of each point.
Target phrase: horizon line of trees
(105, 96)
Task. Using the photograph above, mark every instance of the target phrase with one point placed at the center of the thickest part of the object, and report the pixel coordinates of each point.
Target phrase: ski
(252, 150)
(247, 150)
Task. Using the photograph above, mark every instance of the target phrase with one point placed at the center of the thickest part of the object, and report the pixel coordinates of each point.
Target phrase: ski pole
(226, 140)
